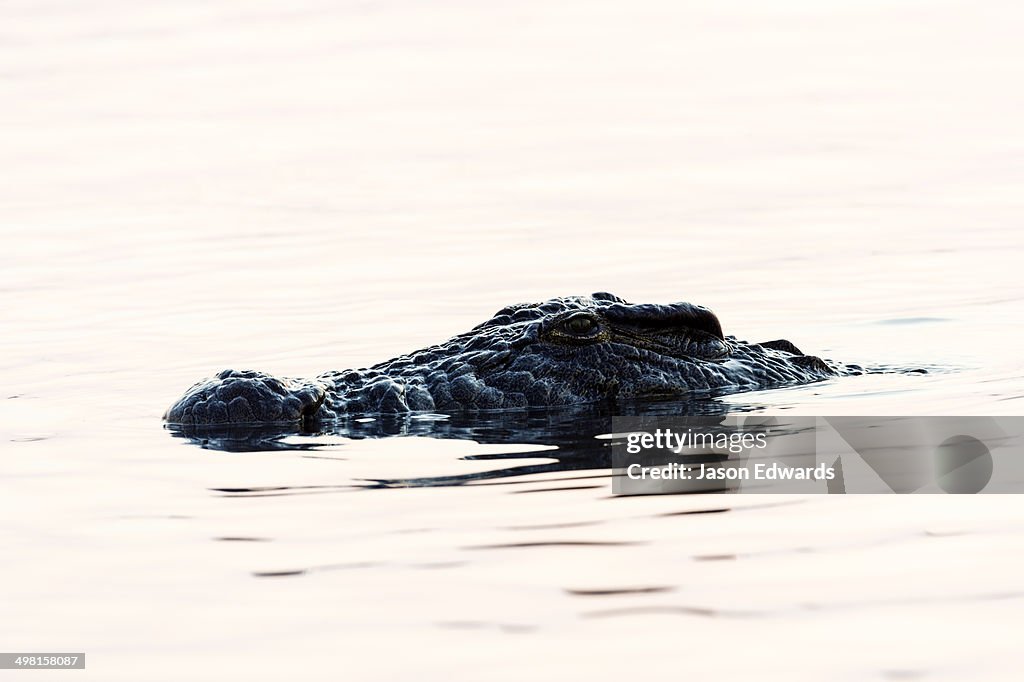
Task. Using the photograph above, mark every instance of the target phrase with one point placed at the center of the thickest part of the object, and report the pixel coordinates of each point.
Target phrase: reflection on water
(572, 437)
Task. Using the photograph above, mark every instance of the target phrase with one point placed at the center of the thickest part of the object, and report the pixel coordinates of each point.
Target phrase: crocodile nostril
(310, 409)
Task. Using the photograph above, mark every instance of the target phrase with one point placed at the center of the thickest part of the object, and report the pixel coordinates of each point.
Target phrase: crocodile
(572, 350)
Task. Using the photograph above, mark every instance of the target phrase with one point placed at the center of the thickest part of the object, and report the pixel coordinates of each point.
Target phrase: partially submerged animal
(566, 351)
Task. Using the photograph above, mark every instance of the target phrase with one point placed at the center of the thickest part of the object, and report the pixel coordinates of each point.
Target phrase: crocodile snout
(247, 397)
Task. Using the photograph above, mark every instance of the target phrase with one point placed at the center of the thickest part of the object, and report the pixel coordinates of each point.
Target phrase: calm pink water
(297, 187)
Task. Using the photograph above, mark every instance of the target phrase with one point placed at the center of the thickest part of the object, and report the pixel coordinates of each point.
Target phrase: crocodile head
(565, 351)
(574, 350)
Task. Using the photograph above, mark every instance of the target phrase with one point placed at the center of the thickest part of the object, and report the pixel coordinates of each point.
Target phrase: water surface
(300, 187)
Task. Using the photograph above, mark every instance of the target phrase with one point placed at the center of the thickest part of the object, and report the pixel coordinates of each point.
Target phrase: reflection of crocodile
(566, 351)
(574, 438)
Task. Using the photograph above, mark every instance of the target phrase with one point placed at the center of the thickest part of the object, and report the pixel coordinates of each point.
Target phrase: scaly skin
(566, 351)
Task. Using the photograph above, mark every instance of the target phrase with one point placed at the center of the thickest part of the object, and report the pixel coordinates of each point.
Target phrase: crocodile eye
(580, 325)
